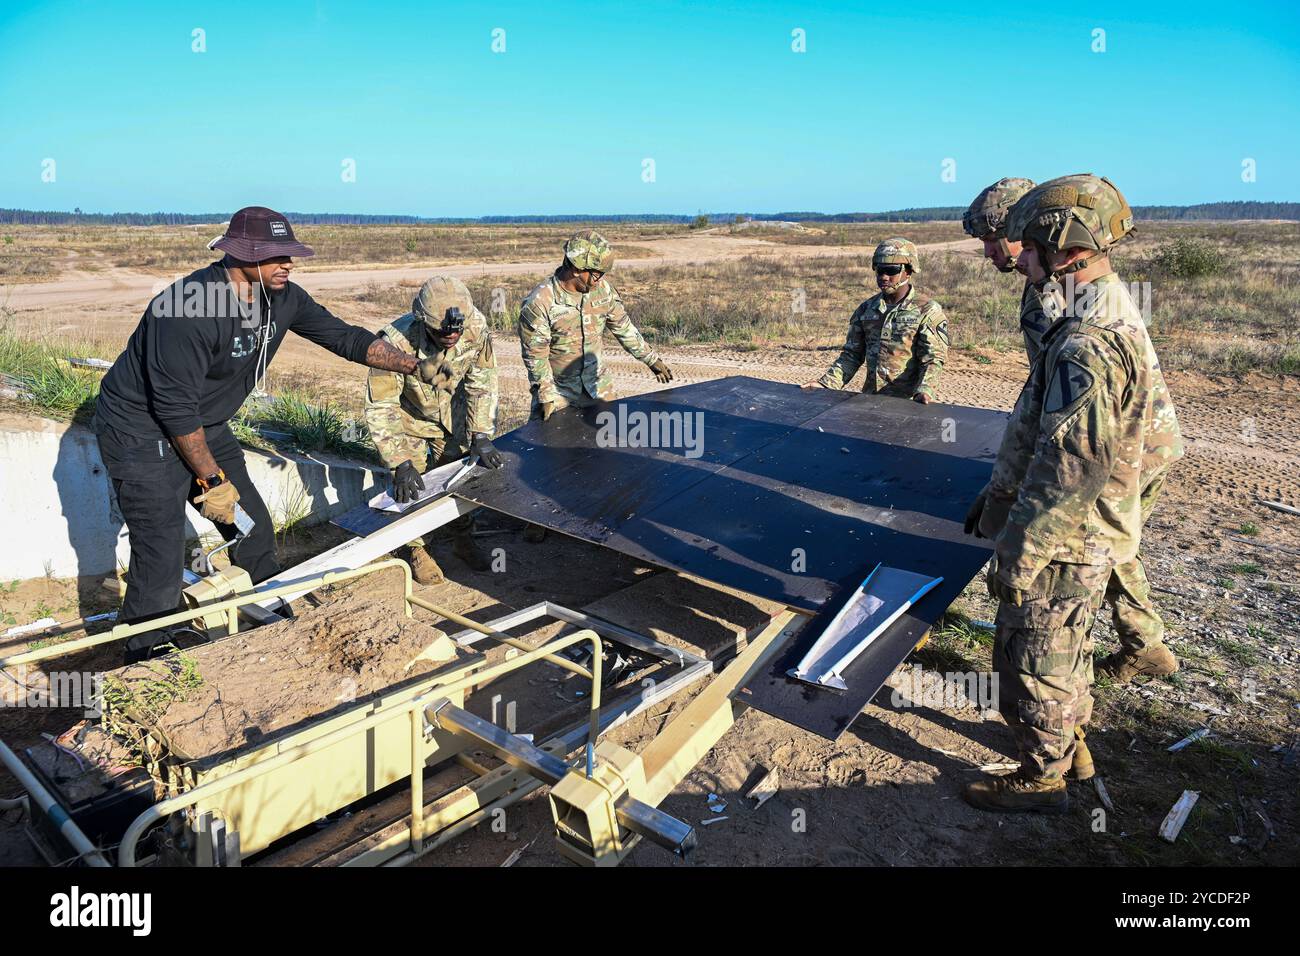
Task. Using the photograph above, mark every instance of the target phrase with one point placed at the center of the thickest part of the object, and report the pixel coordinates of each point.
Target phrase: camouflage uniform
(428, 425)
(1076, 465)
(903, 346)
(561, 333)
(1034, 322)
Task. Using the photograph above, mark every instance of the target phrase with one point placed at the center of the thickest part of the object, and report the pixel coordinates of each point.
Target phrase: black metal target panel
(787, 494)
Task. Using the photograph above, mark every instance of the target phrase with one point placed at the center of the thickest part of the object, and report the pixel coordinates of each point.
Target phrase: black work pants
(152, 484)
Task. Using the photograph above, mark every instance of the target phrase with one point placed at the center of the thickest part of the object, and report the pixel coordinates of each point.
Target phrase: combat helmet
(897, 250)
(1079, 211)
(437, 299)
(986, 218)
(589, 250)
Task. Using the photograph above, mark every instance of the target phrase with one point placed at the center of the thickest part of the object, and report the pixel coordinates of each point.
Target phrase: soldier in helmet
(1092, 425)
(419, 423)
(986, 220)
(561, 328)
(900, 334)
(1137, 623)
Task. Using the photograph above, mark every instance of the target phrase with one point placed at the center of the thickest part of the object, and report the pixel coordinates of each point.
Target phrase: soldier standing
(986, 220)
(416, 421)
(1137, 623)
(561, 327)
(900, 334)
(1076, 457)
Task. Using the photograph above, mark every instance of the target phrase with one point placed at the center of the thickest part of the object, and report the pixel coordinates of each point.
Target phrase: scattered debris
(44, 624)
(994, 767)
(1102, 795)
(1177, 816)
(1278, 506)
(514, 856)
(1269, 832)
(984, 626)
(1261, 544)
(765, 789)
(716, 803)
(709, 823)
(1190, 739)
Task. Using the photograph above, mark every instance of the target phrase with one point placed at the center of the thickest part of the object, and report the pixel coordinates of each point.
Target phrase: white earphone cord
(259, 381)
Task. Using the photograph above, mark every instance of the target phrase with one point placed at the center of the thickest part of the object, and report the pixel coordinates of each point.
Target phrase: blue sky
(562, 121)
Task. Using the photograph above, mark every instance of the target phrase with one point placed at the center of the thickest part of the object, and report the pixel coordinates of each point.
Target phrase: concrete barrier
(59, 517)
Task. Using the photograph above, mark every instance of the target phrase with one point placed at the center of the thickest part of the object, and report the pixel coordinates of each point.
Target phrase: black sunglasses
(889, 270)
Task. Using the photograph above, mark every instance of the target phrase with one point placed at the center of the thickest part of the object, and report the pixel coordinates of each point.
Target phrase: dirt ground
(887, 793)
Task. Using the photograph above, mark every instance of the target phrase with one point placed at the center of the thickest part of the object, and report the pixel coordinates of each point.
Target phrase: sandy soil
(253, 687)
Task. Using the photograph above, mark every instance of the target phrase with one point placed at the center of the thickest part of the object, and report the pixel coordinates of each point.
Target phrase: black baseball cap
(256, 233)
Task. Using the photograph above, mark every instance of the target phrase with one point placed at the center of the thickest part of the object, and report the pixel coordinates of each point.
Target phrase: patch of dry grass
(36, 253)
(851, 233)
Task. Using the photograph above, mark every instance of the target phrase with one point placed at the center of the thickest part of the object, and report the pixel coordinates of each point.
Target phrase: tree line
(1200, 212)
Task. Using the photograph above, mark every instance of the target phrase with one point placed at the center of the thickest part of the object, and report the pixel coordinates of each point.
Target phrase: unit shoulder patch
(1070, 382)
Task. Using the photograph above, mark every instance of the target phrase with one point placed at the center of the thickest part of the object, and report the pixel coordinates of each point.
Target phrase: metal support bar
(622, 635)
(648, 821)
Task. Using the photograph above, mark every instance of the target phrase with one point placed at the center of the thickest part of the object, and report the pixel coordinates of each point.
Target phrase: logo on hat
(279, 229)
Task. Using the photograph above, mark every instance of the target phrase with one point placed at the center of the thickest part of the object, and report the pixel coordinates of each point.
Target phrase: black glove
(488, 455)
(407, 483)
(973, 516)
(662, 371)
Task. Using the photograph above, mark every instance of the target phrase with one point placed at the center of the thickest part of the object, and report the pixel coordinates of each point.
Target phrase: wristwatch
(210, 482)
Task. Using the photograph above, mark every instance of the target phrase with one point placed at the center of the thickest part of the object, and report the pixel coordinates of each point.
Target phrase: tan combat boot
(1082, 768)
(423, 567)
(1154, 661)
(1021, 791)
(468, 550)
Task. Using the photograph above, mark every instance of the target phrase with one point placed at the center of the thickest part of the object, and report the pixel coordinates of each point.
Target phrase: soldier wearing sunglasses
(900, 334)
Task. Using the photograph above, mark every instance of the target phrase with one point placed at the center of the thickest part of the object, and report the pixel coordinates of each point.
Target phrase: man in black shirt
(202, 345)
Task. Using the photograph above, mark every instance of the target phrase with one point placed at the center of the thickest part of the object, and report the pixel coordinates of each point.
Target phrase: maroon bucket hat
(256, 233)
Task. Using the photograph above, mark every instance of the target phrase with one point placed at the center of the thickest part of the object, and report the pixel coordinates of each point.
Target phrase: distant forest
(1203, 211)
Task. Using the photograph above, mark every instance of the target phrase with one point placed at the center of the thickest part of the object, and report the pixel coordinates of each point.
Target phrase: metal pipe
(51, 808)
(465, 622)
(650, 822)
(182, 617)
(417, 780)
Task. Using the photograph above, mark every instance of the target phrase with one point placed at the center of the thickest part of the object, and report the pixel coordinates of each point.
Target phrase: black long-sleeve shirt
(193, 358)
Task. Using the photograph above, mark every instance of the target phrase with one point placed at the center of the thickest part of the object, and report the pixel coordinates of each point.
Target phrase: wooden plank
(684, 611)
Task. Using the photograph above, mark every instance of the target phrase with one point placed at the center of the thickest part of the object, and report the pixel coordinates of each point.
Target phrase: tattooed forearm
(193, 448)
(383, 356)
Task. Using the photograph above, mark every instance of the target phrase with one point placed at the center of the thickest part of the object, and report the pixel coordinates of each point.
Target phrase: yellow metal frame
(444, 687)
(586, 797)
